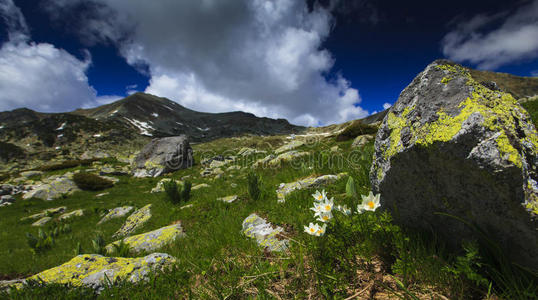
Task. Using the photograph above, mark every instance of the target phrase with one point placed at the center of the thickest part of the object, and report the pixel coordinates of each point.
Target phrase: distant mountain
(119, 127)
(155, 116)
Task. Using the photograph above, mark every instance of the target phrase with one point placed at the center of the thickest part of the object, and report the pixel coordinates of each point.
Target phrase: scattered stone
(41, 221)
(163, 155)
(264, 233)
(96, 271)
(102, 194)
(228, 199)
(290, 146)
(117, 212)
(310, 182)
(110, 171)
(29, 174)
(150, 241)
(234, 167)
(335, 148)
(207, 172)
(361, 140)
(75, 213)
(185, 177)
(186, 206)
(89, 154)
(55, 189)
(134, 221)
(233, 185)
(160, 185)
(263, 162)
(199, 186)
(7, 199)
(451, 145)
(286, 157)
(46, 213)
(249, 151)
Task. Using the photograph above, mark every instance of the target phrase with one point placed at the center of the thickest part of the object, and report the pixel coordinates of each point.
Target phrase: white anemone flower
(316, 208)
(327, 206)
(343, 209)
(324, 217)
(320, 196)
(370, 203)
(312, 229)
(321, 230)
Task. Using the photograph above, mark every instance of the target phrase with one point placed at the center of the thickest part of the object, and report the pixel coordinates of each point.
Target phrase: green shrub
(78, 249)
(92, 182)
(253, 186)
(354, 130)
(172, 191)
(186, 192)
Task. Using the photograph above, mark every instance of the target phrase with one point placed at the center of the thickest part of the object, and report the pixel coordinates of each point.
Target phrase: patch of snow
(58, 148)
(1, 127)
(114, 112)
(155, 115)
(179, 123)
(60, 135)
(144, 127)
(97, 135)
(203, 129)
(169, 107)
(62, 126)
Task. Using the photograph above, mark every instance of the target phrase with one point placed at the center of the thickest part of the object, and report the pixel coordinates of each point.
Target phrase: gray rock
(228, 199)
(55, 189)
(29, 174)
(451, 145)
(7, 199)
(150, 241)
(46, 213)
(134, 221)
(41, 221)
(69, 215)
(264, 233)
(290, 146)
(199, 186)
(162, 156)
(96, 271)
(117, 212)
(310, 182)
(361, 140)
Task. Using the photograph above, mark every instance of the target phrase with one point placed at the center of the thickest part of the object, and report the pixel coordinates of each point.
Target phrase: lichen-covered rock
(75, 213)
(263, 162)
(452, 145)
(150, 241)
(160, 185)
(117, 212)
(289, 146)
(135, 220)
(162, 156)
(361, 140)
(6, 200)
(41, 221)
(29, 174)
(228, 199)
(264, 233)
(249, 151)
(310, 182)
(55, 189)
(95, 271)
(46, 212)
(286, 157)
(200, 186)
(211, 172)
(91, 154)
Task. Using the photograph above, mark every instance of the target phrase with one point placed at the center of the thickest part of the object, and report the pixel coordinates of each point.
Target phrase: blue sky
(311, 63)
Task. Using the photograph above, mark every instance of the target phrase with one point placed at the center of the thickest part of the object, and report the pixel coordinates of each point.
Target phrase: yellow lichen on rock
(150, 241)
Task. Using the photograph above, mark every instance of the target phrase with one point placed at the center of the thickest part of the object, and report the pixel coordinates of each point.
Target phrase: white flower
(316, 208)
(327, 206)
(343, 209)
(312, 229)
(321, 230)
(370, 203)
(320, 196)
(324, 217)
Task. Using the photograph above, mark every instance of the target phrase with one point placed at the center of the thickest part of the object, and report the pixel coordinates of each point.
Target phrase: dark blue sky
(378, 46)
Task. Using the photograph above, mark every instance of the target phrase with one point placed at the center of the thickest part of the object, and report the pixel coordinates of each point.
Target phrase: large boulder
(163, 155)
(266, 236)
(452, 145)
(55, 189)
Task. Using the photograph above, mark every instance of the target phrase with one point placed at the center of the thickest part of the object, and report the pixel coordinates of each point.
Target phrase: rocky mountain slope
(159, 117)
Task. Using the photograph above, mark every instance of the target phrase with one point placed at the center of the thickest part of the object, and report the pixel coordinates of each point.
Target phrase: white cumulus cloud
(516, 39)
(259, 56)
(386, 105)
